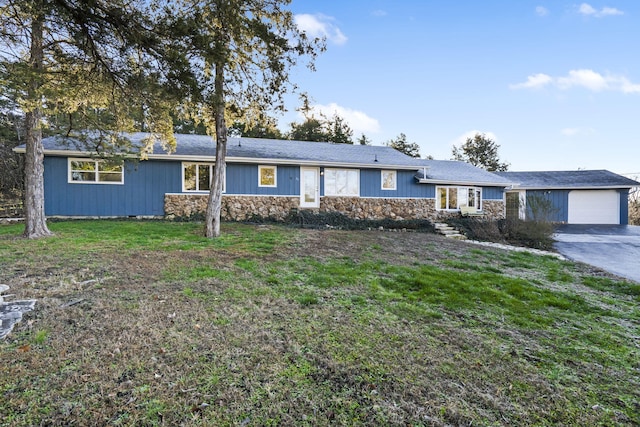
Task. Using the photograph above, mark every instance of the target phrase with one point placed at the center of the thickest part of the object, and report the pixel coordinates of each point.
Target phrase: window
(197, 177)
(341, 182)
(389, 179)
(96, 171)
(451, 198)
(267, 176)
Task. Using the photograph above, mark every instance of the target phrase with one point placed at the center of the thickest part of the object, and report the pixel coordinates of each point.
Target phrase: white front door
(309, 187)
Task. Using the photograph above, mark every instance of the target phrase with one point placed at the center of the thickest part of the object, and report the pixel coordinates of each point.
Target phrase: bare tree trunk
(212, 228)
(35, 220)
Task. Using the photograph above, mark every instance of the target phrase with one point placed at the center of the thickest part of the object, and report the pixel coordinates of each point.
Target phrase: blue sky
(555, 83)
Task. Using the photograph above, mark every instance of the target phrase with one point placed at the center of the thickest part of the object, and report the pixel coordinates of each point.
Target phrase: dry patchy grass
(147, 323)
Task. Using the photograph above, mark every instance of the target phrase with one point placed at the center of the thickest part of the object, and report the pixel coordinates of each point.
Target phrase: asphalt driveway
(613, 248)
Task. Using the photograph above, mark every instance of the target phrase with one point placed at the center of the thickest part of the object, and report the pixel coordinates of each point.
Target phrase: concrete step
(457, 236)
(448, 231)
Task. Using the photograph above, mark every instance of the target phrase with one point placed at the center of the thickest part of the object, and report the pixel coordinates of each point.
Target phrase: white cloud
(470, 134)
(358, 121)
(542, 11)
(533, 82)
(379, 12)
(588, 10)
(320, 25)
(577, 131)
(584, 78)
(588, 79)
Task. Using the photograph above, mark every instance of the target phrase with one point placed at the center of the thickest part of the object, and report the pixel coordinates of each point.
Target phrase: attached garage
(594, 207)
(575, 197)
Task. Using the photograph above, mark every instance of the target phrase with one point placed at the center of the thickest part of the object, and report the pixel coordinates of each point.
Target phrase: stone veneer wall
(376, 209)
(493, 209)
(240, 208)
(234, 208)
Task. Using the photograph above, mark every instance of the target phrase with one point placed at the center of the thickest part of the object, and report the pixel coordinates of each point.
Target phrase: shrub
(532, 234)
(313, 219)
(478, 229)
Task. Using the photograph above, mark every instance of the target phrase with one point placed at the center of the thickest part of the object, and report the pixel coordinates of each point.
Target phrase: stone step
(448, 232)
(456, 236)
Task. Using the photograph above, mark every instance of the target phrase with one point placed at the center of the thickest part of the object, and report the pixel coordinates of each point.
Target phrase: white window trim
(395, 180)
(275, 176)
(357, 171)
(70, 179)
(458, 187)
(211, 165)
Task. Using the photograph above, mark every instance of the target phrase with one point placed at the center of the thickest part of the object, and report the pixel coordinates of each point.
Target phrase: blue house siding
(406, 185)
(243, 179)
(145, 184)
(624, 206)
(492, 193)
(559, 200)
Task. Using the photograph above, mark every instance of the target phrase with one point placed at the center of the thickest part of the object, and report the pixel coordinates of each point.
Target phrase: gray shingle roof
(459, 173)
(202, 148)
(569, 179)
(320, 153)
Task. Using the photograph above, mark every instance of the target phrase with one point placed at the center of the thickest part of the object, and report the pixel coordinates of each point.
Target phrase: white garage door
(594, 207)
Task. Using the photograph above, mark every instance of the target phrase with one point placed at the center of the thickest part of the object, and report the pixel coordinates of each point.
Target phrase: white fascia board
(211, 159)
(587, 187)
(317, 163)
(471, 183)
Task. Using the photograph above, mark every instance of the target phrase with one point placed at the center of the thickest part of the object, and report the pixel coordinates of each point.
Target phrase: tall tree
(11, 134)
(363, 140)
(480, 151)
(72, 57)
(259, 126)
(339, 130)
(401, 144)
(311, 129)
(319, 128)
(240, 52)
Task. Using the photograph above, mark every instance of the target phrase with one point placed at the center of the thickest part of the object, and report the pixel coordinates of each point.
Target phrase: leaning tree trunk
(212, 228)
(35, 220)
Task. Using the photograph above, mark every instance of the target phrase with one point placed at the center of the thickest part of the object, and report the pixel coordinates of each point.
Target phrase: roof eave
(459, 182)
(585, 187)
(200, 158)
(318, 163)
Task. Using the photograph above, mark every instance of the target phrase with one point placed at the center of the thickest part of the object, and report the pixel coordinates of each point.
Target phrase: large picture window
(341, 182)
(452, 198)
(96, 171)
(197, 176)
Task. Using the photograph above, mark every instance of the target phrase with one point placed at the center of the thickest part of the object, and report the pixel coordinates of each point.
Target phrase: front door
(309, 188)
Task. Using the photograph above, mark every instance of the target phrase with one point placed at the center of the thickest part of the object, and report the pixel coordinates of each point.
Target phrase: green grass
(275, 326)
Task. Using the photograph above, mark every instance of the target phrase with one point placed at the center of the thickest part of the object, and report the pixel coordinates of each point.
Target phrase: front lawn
(148, 323)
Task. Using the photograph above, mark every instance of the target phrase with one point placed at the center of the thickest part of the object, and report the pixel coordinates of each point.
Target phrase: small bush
(478, 229)
(311, 219)
(532, 234)
(634, 212)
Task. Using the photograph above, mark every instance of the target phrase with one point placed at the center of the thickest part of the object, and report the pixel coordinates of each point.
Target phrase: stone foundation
(234, 208)
(242, 208)
(376, 209)
(493, 209)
